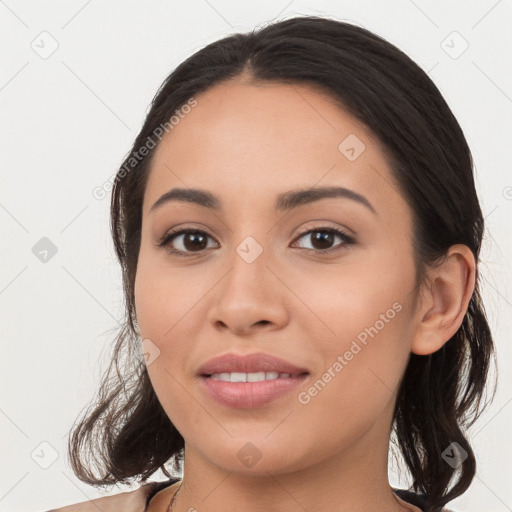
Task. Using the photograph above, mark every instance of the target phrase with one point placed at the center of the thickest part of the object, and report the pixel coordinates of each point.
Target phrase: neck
(354, 480)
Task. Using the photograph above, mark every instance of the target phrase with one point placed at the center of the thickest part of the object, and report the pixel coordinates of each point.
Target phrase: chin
(254, 455)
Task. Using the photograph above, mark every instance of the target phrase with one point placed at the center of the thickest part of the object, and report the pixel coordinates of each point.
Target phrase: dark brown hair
(126, 434)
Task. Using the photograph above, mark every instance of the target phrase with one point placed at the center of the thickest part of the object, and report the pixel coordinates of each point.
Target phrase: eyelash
(169, 236)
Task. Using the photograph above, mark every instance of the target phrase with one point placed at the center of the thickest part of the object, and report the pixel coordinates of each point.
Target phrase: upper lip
(249, 363)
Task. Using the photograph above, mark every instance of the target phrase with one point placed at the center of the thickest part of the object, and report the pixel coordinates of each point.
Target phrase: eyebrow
(284, 202)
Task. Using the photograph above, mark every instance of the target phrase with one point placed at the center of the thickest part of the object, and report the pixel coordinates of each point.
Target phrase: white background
(69, 119)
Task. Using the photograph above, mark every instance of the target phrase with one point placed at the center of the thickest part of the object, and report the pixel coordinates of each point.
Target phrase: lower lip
(247, 395)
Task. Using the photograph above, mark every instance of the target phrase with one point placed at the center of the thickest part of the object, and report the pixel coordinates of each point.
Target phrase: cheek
(360, 376)
(165, 300)
(366, 345)
(358, 300)
(163, 295)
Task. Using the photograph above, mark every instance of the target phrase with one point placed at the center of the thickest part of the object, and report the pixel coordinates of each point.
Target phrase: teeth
(249, 377)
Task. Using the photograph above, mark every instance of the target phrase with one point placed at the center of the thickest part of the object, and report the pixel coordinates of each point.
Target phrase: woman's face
(254, 281)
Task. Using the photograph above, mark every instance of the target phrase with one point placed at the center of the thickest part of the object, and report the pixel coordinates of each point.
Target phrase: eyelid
(319, 225)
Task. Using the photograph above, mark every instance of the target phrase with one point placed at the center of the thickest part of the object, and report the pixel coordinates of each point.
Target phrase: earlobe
(445, 302)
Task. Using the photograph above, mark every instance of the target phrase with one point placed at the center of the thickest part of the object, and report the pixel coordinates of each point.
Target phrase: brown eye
(323, 238)
(187, 240)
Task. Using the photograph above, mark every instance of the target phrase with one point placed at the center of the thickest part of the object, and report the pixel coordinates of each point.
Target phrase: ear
(444, 304)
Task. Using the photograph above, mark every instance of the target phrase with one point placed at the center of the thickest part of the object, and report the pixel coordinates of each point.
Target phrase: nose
(249, 298)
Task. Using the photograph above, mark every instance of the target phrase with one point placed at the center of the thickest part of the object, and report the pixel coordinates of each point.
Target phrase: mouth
(251, 380)
(250, 390)
(252, 376)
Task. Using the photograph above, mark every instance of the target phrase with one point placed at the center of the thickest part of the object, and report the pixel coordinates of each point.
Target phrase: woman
(299, 234)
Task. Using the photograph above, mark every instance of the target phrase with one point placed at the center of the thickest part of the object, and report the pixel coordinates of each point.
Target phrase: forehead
(245, 141)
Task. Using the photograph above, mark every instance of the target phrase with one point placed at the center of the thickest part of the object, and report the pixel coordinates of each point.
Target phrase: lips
(250, 363)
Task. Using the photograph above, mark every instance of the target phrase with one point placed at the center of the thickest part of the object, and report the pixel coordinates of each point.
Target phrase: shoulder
(129, 501)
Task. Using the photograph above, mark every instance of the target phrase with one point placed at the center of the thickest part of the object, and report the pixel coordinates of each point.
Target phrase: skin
(248, 143)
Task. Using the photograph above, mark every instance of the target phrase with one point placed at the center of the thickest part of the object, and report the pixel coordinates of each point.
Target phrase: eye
(194, 240)
(324, 237)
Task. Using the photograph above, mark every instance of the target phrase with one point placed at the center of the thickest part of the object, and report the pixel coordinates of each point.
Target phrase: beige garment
(130, 501)
(135, 501)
